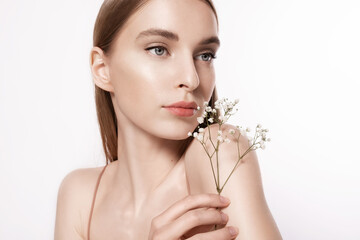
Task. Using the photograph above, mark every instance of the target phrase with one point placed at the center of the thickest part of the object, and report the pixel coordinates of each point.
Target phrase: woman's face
(150, 69)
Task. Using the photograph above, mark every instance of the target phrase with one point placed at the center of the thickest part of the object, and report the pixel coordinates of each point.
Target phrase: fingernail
(233, 231)
(224, 217)
(224, 199)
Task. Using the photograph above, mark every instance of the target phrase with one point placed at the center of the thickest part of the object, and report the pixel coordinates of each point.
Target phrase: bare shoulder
(74, 202)
(248, 209)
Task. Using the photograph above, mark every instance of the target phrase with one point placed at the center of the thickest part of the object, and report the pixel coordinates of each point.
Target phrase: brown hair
(111, 17)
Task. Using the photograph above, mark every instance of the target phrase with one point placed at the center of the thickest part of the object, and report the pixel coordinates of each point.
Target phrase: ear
(100, 69)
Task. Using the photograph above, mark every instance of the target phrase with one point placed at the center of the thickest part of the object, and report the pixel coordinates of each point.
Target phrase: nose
(188, 77)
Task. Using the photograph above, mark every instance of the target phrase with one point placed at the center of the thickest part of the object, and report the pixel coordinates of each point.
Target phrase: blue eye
(212, 55)
(157, 47)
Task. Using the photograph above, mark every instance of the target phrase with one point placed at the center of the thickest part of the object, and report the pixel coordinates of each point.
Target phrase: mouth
(183, 104)
(182, 112)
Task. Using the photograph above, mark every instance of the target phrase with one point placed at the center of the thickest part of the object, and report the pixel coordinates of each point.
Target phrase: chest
(112, 220)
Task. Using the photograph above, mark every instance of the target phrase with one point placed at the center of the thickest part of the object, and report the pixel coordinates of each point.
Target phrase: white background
(294, 65)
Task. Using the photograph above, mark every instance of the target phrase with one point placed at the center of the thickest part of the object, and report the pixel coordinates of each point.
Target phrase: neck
(144, 162)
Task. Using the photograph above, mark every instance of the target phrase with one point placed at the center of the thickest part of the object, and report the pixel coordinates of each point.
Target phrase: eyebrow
(173, 36)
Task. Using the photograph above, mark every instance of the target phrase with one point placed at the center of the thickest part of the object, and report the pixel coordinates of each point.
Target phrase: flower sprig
(220, 114)
(210, 116)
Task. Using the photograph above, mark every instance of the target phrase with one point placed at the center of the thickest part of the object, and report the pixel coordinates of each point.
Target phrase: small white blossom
(232, 131)
(201, 130)
(200, 119)
(227, 140)
(195, 134)
(219, 132)
(198, 108)
(248, 129)
(219, 138)
(205, 104)
(189, 134)
(268, 139)
(211, 120)
(208, 109)
(200, 137)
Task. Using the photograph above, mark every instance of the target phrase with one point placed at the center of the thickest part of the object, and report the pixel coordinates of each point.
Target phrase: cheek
(134, 79)
(207, 82)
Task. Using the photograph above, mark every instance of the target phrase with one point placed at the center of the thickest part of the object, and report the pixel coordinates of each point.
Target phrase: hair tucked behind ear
(111, 17)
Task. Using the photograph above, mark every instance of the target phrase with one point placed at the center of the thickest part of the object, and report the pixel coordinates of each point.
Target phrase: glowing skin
(141, 82)
(150, 180)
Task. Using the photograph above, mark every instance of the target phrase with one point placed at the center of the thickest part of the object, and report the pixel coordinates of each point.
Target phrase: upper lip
(183, 104)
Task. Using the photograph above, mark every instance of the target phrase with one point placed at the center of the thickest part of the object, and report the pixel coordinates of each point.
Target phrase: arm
(68, 221)
(248, 209)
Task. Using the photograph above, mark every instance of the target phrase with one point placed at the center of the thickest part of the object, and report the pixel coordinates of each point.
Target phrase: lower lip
(183, 112)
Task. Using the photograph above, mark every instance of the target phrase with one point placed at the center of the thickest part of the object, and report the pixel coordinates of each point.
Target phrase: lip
(183, 104)
(182, 108)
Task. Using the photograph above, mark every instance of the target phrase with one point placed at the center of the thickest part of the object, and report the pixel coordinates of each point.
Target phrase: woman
(147, 56)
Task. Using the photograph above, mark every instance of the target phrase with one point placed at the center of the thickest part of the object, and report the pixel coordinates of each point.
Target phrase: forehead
(190, 20)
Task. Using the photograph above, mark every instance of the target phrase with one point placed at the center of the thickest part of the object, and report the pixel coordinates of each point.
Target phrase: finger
(194, 218)
(226, 233)
(188, 203)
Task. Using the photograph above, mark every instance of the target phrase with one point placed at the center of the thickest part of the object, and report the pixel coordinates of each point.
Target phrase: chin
(176, 131)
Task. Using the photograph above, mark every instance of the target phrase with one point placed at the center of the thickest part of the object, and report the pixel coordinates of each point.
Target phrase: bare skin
(145, 194)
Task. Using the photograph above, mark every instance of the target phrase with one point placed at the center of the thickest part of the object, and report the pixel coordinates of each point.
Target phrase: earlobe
(99, 70)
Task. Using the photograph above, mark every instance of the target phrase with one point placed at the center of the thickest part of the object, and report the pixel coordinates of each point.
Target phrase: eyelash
(161, 47)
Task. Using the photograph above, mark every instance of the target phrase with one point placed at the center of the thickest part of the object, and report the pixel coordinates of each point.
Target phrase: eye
(158, 50)
(208, 54)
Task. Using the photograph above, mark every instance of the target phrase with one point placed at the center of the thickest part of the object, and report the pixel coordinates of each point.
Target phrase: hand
(192, 218)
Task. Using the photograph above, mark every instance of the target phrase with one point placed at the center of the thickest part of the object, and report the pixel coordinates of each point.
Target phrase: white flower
(195, 134)
(248, 129)
(258, 126)
(205, 104)
(208, 109)
(211, 120)
(200, 137)
(232, 131)
(189, 134)
(201, 130)
(236, 101)
(219, 138)
(200, 119)
(219, 132)
(214, 110)
(225, 119)
(227, 140)
(268, 140)
(198, 108)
